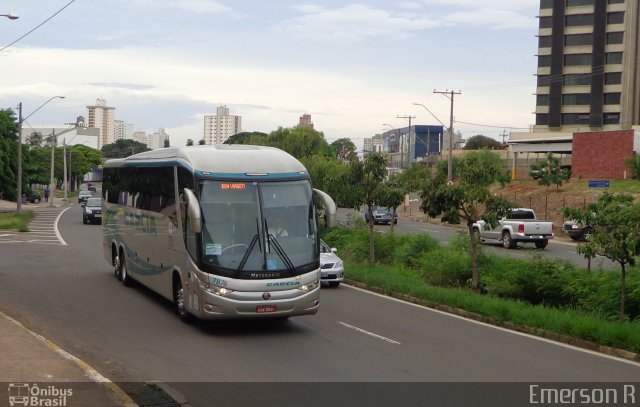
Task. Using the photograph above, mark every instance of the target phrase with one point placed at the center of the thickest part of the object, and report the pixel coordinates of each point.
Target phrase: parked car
(34, 197)
(83, 196)
(519, 226)
(331, 267)
(576, 231)
(382, 215)
(91, 187)
(92, 211)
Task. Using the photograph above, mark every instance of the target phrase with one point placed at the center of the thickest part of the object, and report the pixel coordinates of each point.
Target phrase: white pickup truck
(520, 225)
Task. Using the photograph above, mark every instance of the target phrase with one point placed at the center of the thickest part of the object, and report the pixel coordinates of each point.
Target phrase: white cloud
(353, 23)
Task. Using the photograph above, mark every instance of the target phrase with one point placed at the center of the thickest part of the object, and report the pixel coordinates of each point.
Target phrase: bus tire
(178, 300)
(124, 271)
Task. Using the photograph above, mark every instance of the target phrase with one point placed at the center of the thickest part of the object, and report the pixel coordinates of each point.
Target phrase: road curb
(92, 373)
(557, 337)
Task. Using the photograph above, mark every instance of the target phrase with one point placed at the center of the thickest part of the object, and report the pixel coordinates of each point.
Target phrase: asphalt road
(559, 249)
(69, 295)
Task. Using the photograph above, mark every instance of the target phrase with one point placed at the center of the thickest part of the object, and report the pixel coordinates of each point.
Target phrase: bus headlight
(215, 289)
(309, 286)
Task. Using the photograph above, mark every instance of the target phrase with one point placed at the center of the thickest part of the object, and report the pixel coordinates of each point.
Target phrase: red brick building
(601, 154)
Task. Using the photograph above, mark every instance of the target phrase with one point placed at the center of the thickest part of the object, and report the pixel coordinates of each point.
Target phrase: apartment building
(219, 127)
(101, 116)
(587, 75)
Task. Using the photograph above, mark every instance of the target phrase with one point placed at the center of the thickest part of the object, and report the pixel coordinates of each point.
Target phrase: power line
(38, 26)
(492, 125)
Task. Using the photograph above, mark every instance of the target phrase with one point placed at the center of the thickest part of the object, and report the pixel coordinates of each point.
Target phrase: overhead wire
(38, 26)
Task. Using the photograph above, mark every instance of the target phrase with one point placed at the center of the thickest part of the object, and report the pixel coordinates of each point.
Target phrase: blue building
(405, 147)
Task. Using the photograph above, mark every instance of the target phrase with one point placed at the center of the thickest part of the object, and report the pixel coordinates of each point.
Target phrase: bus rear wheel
(179, 301)
(123, 273)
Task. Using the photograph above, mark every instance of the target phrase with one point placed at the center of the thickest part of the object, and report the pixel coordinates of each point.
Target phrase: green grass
(629, 186)
(499, 311)
(13, 220)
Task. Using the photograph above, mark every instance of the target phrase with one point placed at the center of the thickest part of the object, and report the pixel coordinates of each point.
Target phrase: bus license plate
(265, 308)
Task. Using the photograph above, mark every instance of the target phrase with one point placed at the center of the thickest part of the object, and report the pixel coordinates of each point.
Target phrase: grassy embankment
(535, 295)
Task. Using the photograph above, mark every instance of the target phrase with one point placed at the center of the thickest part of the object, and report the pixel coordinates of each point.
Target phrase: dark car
(34, 197)
(576, 231)
(83, 196)
(382, 215)
(92, 211)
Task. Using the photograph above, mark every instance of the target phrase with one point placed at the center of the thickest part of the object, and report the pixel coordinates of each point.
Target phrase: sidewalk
(9, 206)
(29, 362)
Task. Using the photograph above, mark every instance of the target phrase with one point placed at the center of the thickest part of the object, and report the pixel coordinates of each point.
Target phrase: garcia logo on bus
(283, 284)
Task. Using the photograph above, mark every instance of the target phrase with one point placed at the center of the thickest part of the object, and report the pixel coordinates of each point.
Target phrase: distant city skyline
(352, 66)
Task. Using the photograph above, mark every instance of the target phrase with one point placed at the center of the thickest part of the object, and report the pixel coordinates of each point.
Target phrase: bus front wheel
(179, 301)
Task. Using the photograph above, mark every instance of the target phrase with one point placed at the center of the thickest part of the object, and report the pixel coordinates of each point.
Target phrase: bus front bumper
(276, 304)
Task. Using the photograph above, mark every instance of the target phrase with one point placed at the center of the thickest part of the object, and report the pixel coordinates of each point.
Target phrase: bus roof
(218, 159)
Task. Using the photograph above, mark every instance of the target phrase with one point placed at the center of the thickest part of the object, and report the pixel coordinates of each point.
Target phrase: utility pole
(64, 163)
(450, 95)
(409, 139)
(53, 149)
(19, 200)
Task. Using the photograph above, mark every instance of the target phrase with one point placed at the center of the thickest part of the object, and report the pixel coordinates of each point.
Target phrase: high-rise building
(588, 78)
(102, 117)
(305, 121)
(122, 130)
(140, 137)
(218, 128)
(157, 139)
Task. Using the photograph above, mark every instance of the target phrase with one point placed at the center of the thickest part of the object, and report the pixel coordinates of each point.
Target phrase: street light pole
(64, 163)
(20, 121)
(10, 16)
(53, 149)
(450, 162)
(19, 200)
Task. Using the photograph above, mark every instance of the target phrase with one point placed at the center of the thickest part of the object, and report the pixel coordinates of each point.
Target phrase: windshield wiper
(255, 239)
(278, 249)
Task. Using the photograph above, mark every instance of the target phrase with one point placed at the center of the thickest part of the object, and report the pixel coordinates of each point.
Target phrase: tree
(8, 155)
(615, 220)
(464, 199)
(634, 165)
(189, 142)
(413, 179)
(390, 195)
(367, 176)
(35, 139)
(550, 171)
(442, 166)
(202, 142)
(343, 148)
(245, 137)
(167, 143)
(123, 148)
(300, 141)
(480, 142)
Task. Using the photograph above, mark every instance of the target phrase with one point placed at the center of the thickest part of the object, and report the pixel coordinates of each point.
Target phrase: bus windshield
(250, 227)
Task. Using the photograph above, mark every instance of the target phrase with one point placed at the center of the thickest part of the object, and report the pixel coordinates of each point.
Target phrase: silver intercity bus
(225, 231)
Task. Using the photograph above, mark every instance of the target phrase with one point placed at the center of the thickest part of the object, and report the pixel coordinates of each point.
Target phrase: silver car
(332, 268)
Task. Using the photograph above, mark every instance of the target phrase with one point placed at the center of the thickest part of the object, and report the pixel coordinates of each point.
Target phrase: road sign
(597, 183)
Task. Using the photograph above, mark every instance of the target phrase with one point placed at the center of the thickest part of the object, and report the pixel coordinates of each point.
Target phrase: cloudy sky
(351, 65)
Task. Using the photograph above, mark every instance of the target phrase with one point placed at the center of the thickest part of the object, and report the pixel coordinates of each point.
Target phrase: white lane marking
(537, 338)
(355, 328)
(55, 227)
